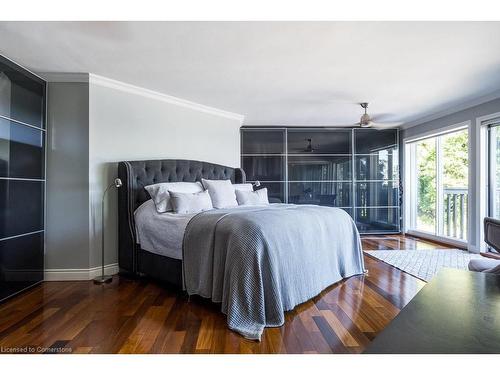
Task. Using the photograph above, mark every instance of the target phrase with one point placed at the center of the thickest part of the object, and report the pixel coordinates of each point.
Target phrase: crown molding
(147, 93)
(136, 90)
(463, 106)
(65, 77)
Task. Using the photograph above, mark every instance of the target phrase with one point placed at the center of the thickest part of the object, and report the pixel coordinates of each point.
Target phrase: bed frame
(135, 175)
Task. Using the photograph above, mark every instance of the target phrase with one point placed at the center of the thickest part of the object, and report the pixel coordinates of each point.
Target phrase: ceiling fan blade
(382, 117)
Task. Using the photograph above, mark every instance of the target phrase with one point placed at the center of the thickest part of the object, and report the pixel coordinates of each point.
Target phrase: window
(437, 187)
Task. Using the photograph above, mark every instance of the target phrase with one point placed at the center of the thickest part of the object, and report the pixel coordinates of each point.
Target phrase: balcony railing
(455, 212)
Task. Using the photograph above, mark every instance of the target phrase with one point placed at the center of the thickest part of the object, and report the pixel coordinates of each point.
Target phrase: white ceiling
(278, 73)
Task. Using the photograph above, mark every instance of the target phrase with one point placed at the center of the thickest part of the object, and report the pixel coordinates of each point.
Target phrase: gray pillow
(190, 203)
(252, 198)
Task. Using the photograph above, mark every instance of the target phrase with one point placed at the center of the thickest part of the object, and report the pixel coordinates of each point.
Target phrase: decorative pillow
(243, 187)
(160, 192)
(252, 198)
(190, 203)
(221, 192)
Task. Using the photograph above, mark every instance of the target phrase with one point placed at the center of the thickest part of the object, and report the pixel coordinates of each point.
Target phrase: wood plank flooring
(143, 316)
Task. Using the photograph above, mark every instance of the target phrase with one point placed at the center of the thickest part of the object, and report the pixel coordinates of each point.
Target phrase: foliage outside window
(441, 178)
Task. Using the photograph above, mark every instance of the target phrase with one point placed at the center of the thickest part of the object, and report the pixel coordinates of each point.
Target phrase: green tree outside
(455, 172)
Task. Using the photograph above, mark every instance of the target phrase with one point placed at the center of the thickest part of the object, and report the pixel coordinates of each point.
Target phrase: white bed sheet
(160, 234)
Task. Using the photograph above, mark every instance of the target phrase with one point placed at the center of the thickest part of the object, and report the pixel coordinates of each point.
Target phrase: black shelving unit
(354, 169)
(22, 178)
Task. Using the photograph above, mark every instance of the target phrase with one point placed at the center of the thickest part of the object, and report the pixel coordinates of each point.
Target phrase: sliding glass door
(494, 170)
(437, 187)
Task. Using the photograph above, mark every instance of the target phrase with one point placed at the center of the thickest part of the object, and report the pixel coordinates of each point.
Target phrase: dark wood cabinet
(356, 170)
(22, 178)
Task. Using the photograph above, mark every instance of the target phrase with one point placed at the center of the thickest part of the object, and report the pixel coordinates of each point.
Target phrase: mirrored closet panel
(356, 170)
(22, 178)
(265, 161)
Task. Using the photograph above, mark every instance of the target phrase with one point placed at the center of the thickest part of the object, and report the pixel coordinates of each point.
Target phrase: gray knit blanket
(259, 262)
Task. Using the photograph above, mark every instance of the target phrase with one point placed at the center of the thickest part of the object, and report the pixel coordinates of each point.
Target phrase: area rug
(424, 264)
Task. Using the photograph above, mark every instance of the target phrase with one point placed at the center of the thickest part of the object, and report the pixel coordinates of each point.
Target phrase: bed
(135, 175)
(256, 261)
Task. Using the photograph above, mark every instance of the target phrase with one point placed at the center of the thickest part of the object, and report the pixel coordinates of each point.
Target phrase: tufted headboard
(135, 175)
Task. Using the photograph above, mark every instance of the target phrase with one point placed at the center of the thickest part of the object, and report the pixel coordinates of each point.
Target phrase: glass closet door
(320, 167)
(376, 180)
(356, 170)
(263, 159)
(22, 178)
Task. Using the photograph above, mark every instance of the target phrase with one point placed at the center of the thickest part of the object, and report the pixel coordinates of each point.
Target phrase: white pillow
(252, 198)
(221, 192)
(243, 187)
(161, 197)
(190, 203)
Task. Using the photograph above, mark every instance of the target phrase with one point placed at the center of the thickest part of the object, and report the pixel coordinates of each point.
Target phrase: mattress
(160, 234)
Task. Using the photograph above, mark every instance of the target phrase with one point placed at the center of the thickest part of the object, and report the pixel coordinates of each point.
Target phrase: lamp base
(103, 279)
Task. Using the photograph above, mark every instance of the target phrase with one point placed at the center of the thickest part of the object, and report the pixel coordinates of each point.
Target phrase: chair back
(492, 232)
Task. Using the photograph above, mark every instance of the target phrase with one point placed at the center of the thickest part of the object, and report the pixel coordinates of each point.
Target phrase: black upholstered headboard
(135, 175)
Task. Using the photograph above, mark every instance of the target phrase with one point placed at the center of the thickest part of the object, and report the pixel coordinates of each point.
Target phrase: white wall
(127, 123)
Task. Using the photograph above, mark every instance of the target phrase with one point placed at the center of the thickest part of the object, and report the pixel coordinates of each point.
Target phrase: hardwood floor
(142, 316)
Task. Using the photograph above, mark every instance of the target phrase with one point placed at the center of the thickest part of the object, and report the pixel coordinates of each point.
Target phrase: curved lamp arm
(105, 279)
(117, 183)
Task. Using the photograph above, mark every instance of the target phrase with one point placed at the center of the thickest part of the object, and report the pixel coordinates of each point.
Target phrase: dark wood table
(456, 312)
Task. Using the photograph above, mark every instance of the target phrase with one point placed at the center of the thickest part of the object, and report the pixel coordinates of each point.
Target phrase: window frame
(482, 177)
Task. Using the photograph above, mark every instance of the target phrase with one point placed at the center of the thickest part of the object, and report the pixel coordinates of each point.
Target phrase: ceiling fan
(309, 147)
(366, 121)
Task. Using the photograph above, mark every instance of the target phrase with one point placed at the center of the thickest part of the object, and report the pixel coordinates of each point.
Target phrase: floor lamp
(103, 278)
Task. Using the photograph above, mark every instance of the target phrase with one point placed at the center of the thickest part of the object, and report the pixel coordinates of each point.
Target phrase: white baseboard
(79, 274)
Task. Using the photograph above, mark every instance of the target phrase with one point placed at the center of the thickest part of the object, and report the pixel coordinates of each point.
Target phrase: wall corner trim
(79, 274)
(132, 89)
(65, 77)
